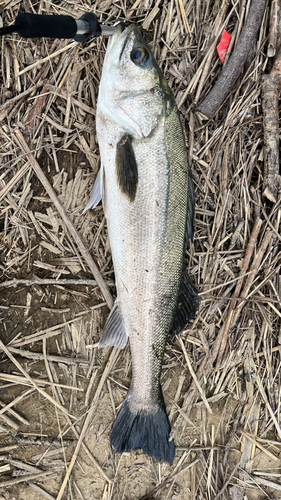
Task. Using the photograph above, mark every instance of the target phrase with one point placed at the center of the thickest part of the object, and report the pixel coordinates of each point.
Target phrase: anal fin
(114, 332)
(188, 303)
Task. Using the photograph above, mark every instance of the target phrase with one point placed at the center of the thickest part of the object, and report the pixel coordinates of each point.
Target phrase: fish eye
(139, 55)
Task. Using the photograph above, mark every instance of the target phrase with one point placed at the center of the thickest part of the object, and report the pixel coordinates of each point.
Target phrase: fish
(147, 193)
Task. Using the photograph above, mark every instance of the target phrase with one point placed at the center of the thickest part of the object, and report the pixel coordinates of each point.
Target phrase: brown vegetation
(221, 376)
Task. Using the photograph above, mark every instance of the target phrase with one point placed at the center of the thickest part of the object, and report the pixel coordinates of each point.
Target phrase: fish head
(133, 91)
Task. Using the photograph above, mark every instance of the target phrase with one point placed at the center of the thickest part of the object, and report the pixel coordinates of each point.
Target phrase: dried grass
(49, 253)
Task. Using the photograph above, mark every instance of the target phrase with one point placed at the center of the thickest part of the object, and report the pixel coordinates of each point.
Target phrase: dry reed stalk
(47, 59)
(30, 477)
(22, 380)
(85, 253)
(221, 339)
(265, 482)
(169, 479)
(254, 269)
(40, 491)
(268, 406)
(11, 447)
(260, 446)
(16, 401)
(13, 181)
(112, 358)
(8, 421)
(14, 414)
(24, 466)
(194, 375)
(35, 337)
(30, 380)
(49, 357)
(5, 468)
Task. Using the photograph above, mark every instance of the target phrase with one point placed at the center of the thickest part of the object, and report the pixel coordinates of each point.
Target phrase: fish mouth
(119, 27)
(118, 41)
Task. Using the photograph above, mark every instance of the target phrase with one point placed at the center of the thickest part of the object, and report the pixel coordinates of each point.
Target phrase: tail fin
(146, 431)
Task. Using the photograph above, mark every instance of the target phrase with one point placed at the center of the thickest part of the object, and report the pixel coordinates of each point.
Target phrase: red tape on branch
(223, 45)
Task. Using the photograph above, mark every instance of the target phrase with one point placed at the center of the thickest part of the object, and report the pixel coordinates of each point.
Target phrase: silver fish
(148, 199)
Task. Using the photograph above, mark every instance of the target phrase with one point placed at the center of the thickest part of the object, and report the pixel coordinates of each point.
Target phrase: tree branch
(243, 55)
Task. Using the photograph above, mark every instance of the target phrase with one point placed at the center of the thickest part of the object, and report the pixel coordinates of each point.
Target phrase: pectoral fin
(114, 332)
(96, 194)
(126, 167)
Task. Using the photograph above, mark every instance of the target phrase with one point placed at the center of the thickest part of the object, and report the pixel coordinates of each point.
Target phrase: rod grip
(35, 25)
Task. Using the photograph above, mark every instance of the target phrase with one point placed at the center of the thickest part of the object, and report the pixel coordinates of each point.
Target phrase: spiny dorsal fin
(126, 167)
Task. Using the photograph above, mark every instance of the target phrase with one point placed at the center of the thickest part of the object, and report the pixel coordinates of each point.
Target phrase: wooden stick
(271, 85)
(243, 54)
(273, 28)
(216, 31)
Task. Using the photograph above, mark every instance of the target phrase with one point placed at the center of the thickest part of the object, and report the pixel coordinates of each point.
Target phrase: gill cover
(133, 92)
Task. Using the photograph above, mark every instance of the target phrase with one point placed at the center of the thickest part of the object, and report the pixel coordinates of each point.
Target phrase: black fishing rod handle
(35, 25)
